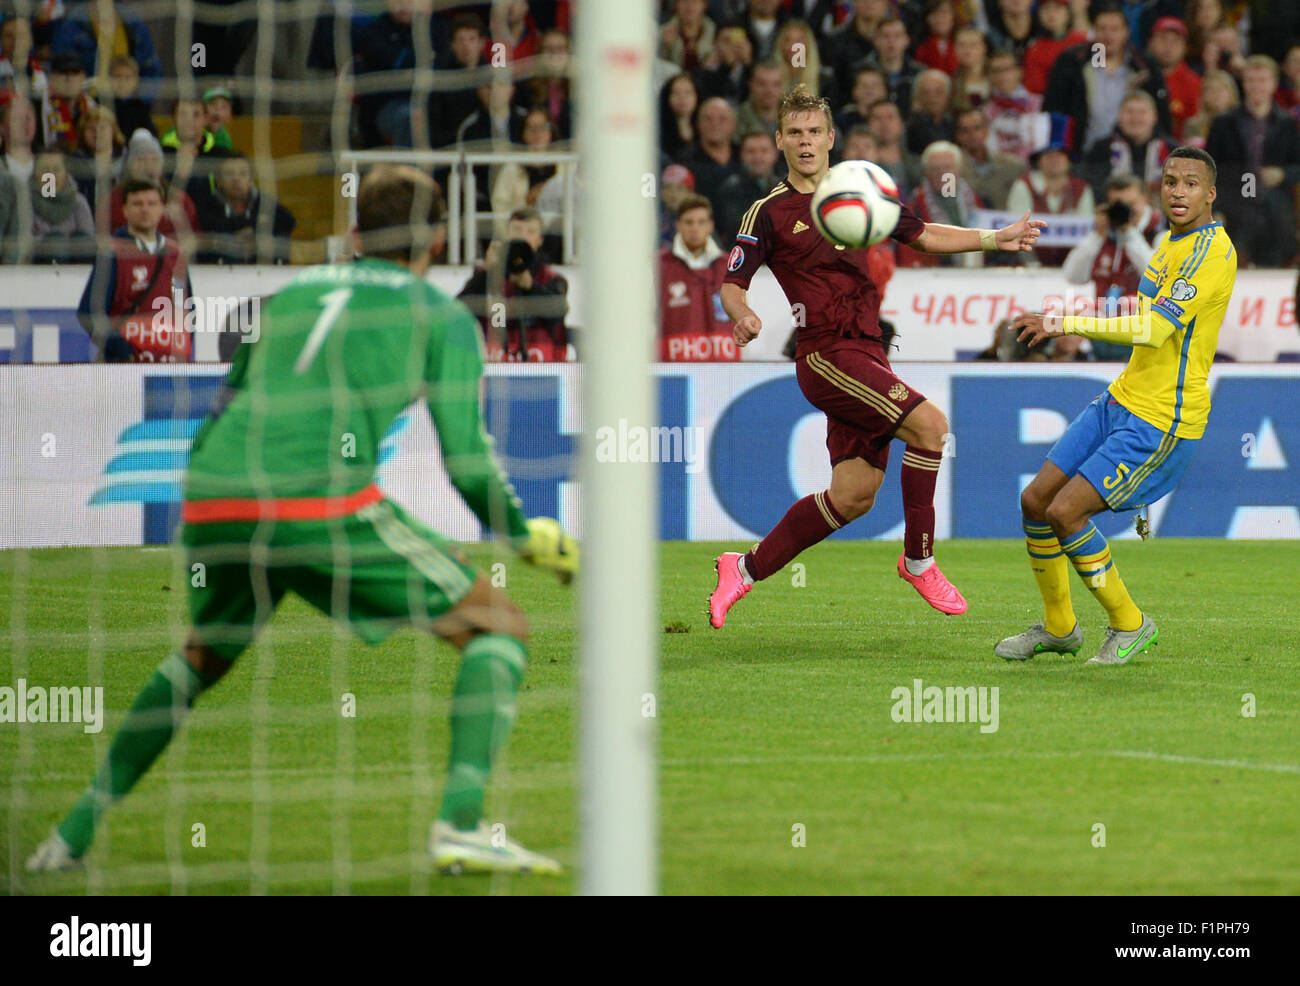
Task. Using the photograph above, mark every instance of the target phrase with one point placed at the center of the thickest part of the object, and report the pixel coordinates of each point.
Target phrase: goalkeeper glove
(549, 547)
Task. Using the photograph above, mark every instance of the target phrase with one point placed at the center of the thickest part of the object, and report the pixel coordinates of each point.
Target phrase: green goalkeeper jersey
(343, 350)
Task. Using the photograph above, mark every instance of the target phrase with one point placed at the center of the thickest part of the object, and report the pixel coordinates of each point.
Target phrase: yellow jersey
(1187, 284)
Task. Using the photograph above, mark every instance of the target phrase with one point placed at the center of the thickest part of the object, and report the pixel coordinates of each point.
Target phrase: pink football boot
(732, 587)
(934, 588)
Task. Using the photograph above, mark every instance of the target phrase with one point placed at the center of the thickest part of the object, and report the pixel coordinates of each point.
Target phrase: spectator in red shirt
(693, 327)
(1168, 50)
(144, 159)
(939, 49)
(120, 305)
(1054, 16)
(513, 26)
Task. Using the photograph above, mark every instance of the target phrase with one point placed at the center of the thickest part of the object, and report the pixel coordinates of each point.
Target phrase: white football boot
(52, 855)
(483, 850)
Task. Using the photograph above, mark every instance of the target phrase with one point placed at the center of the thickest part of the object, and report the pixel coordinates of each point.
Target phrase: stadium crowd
(1057, 107)
(79, 85)
(1003, 105)
(1029, 104)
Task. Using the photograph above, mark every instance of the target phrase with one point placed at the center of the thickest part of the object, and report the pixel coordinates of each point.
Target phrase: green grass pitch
(774, 731)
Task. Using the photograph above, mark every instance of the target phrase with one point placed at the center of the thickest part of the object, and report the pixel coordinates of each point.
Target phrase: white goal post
(620, 585)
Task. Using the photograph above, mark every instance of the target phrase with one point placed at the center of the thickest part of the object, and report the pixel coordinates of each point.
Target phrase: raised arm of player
(1020, 235)
(454, 373)
(746, 323)
(1131, 329)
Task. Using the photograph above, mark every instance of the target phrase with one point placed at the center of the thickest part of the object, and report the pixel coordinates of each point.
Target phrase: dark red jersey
(693, 326)
(830, 289)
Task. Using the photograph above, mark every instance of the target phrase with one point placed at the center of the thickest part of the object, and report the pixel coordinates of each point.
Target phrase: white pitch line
(748, 761)
(240, 774)
(1279, 768)
(525, 773)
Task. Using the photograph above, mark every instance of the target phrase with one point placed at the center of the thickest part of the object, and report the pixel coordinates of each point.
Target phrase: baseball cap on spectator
(676, 174)
(1170, 24)
(67, 63)
(217, 92)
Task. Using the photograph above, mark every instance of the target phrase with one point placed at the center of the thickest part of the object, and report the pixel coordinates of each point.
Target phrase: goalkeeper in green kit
(280, 496)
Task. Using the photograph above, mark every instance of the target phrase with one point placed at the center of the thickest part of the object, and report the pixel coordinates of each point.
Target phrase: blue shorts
(1129, 462)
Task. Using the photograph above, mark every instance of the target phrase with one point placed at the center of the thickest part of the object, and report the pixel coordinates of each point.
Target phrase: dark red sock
(807, 522)
(920, 473)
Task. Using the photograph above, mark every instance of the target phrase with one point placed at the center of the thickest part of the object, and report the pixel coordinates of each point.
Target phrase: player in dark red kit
(841, 364)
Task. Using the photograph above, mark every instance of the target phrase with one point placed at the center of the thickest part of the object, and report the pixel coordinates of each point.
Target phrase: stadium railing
(463, 215)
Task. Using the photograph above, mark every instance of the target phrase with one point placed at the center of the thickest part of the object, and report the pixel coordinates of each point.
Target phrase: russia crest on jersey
(736, 259)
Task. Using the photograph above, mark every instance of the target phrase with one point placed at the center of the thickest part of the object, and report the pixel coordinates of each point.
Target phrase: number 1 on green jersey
(334, 303)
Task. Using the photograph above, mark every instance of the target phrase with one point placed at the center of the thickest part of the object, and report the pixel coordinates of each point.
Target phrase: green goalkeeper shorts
(376, 570)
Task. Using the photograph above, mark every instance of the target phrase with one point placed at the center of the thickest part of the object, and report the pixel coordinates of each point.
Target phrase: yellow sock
(1090, 555)
(1052, 573)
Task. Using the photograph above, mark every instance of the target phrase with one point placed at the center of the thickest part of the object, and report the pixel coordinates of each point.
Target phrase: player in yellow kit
(1131, 445)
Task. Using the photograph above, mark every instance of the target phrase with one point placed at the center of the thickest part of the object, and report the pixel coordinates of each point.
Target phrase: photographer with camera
(519, 300)
(1113, 257)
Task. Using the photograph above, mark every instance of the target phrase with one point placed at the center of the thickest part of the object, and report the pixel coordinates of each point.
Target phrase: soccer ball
(855, 204)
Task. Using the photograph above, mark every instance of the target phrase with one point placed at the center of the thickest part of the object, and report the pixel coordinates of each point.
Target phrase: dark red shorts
(864, 401)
